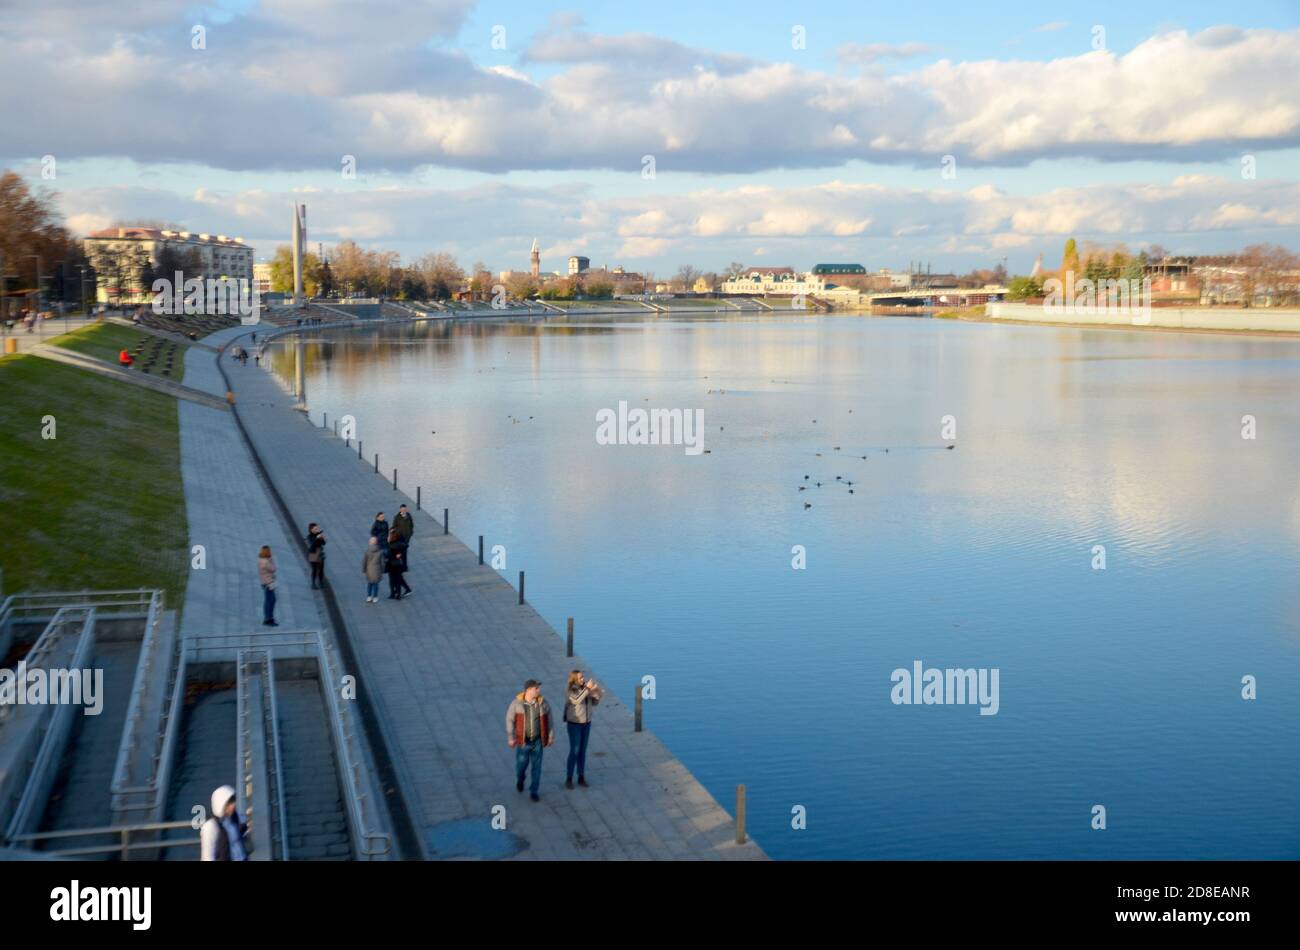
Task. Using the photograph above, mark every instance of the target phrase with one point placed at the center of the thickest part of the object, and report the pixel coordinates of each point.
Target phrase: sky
(656, 135)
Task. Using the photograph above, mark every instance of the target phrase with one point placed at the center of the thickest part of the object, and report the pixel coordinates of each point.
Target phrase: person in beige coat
(372, 566)
(266, 570)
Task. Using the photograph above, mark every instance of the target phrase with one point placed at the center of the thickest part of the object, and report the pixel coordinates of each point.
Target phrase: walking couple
(529, 730)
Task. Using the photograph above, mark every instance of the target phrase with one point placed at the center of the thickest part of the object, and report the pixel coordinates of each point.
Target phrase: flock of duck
(839, 479)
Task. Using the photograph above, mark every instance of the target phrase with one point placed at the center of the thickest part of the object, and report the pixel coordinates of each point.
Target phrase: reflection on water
(1118, 687)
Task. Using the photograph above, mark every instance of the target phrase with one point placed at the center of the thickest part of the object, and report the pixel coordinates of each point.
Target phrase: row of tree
(1260, 271)
(32, 235)
(350, 269)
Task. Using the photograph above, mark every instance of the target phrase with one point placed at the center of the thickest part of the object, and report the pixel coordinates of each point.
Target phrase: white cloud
(280, 88)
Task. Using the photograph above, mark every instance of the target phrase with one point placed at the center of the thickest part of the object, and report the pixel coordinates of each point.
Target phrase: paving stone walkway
(441, 667)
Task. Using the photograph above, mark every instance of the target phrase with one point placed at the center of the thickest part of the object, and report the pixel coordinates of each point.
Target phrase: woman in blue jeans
(582, 696)
(266, 571)
(372, 566)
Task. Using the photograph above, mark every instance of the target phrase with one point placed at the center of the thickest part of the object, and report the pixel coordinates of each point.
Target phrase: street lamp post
(37, 314)
(63, 287)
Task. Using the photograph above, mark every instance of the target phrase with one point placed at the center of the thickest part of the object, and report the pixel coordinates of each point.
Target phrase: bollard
(359, 448)
(376, 463)
(445, 522)
(417, 497)
(480, 549)
(324, 420)
(570, 644)
(521, 587)
(336, 428)
(740, 814)
(394, 479)
(637, 714)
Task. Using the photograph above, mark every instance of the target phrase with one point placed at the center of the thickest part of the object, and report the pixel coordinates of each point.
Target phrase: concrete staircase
(206, 757)
(314, 809)
(80, 797)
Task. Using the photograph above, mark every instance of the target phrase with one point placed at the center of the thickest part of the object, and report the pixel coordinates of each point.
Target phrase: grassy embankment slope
(101, 505)
(104, 341)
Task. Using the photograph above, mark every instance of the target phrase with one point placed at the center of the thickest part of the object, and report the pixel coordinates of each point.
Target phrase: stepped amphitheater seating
(190, 326)
(155, 355)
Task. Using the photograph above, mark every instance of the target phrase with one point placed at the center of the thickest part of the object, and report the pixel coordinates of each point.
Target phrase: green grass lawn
(101, 505)
(104, 341)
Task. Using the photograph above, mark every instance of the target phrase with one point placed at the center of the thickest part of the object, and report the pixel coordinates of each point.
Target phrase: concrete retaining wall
(1217, 318)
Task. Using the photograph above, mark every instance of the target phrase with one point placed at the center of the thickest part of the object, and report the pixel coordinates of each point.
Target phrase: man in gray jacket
(529, 730)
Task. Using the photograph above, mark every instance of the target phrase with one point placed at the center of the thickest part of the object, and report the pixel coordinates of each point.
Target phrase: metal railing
(33, 607)
(105, 600)
(350, 758)
(123, 831)
(144, 689)
(56, 724)
(273, 798)
(51, 640)
(65, 643)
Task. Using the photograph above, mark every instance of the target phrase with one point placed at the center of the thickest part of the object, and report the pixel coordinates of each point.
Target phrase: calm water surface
(1119, 687)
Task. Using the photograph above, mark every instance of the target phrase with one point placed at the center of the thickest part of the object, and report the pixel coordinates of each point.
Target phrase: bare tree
(686, 277)
(1268, 271)
(521, 286)
(442, 275)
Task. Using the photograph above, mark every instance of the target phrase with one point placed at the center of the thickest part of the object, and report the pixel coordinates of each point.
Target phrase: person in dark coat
(379, 529)
(404, 525)
(316, 555)
(396, 567)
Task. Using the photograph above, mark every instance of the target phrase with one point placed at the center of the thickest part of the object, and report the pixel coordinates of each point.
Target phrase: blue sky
(764, 153)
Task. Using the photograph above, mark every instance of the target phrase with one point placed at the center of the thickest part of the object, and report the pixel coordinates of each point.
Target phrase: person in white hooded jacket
(222, 835)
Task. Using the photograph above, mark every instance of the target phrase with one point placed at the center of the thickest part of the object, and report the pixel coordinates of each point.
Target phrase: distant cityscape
(119, 265)
(124, 257)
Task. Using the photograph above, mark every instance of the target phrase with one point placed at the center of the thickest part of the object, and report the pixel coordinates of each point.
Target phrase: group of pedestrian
(239, 354)
(389, 552)
(530, 730)
(267, 570)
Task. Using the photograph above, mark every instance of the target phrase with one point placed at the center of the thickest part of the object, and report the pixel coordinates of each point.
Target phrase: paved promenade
(441, 667)
(230, 514)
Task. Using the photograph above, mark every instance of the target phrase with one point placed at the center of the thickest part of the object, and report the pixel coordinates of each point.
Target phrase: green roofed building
(828, 270)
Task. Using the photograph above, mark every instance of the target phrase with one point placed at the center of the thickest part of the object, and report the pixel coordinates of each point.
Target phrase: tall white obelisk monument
(299, 251)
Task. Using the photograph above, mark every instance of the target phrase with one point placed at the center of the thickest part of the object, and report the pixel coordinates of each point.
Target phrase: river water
(1119, 687)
